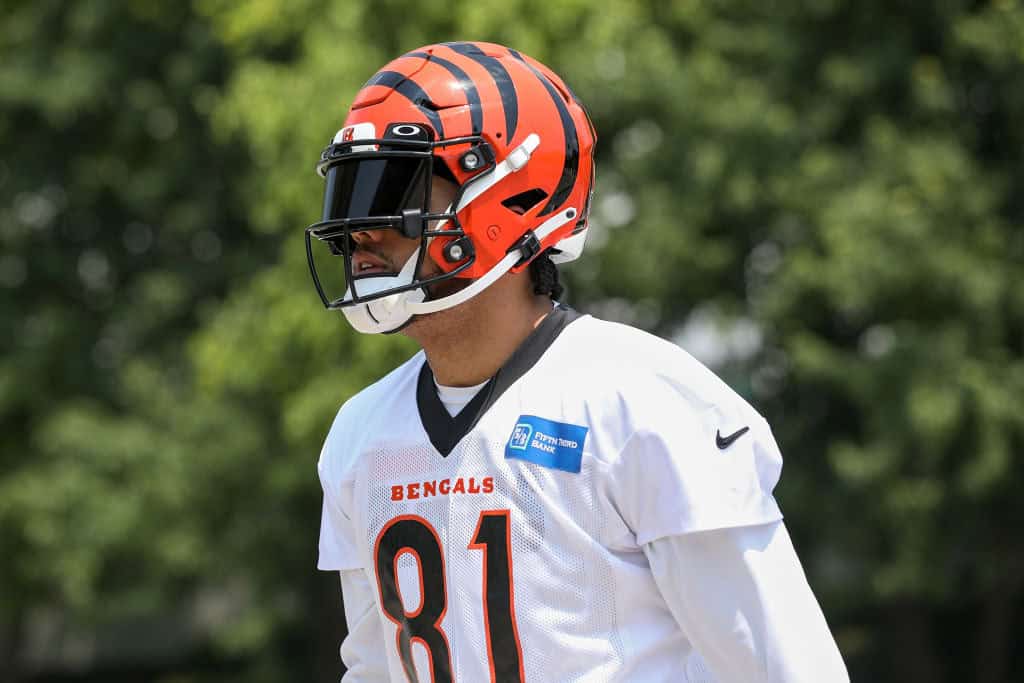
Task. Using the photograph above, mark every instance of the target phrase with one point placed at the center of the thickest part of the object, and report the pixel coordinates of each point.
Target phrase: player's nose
(368, 236)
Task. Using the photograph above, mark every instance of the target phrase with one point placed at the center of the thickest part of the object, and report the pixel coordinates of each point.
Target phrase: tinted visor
(361, 188)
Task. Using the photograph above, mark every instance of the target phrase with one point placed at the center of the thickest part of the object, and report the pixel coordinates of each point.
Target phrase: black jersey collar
(444, 430)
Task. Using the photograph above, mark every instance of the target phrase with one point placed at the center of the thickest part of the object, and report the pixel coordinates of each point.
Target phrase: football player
(538, 495)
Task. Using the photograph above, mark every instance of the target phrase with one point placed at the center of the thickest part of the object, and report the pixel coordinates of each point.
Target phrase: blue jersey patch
(551, 444)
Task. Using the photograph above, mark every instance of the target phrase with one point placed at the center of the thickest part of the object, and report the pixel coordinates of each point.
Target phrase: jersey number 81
(414, 535)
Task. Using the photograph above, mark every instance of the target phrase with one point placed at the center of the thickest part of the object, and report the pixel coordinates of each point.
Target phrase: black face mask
(381, 184)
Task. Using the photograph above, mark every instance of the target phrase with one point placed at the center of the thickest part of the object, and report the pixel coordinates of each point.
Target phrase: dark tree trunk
(995, 635)
(914, 654)
(10, 637)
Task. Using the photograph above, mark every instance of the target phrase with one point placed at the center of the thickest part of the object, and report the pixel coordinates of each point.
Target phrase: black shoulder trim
(446, 431)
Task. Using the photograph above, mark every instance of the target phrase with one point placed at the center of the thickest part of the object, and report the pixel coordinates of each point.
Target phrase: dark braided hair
(544, 276)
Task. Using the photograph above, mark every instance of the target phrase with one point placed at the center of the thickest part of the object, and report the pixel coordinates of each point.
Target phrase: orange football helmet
(503, 127)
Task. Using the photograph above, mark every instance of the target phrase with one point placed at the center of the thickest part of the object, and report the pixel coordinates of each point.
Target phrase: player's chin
(427, 322)
(427, 325)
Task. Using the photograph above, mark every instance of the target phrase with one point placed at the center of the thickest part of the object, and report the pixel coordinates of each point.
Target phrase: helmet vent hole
(524, 201)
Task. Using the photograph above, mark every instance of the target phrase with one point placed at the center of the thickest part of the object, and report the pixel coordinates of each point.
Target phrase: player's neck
(468, 346)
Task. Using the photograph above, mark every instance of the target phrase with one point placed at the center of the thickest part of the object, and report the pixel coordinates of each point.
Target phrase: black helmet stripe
(572, 144)
(502, 79)
(414, 93)
(476, 114)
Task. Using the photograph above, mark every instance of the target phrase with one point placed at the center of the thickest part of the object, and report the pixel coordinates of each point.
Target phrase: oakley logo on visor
(409, 131)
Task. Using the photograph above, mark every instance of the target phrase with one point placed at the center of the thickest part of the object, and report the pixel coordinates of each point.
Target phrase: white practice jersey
(506, 543)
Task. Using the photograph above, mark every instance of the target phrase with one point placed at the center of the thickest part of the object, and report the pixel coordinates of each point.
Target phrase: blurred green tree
(830, 193)
(119, 236)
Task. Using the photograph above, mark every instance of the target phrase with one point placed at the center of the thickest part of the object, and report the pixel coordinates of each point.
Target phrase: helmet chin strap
(390, 313)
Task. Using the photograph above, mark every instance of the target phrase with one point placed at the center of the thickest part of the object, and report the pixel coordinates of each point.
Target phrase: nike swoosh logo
(726, 441)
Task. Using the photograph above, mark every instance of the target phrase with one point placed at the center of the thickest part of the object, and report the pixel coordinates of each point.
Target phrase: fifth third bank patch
(552, 444)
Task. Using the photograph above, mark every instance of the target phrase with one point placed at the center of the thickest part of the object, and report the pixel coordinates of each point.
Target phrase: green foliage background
(834, 192)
